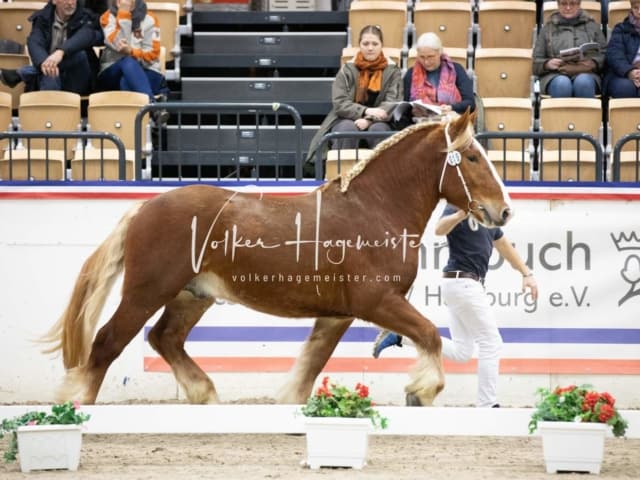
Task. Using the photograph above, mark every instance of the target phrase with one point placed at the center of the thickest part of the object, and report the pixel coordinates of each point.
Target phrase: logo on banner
(630, 273)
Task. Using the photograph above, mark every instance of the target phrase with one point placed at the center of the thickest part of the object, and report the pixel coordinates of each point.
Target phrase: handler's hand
(530, 284)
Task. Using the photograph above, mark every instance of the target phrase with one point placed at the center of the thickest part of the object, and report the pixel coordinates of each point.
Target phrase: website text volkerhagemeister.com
(298, 278)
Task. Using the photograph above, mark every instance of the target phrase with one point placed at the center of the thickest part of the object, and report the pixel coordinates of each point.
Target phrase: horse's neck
(399, 186)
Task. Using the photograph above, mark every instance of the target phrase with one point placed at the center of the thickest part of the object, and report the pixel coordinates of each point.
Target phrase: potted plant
(46, 441)
(338, 422)
(573, 422)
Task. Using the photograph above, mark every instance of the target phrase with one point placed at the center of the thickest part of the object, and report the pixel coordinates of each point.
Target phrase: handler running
(472, 320)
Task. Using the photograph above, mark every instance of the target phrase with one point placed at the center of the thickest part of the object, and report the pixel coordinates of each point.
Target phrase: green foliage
(64, 414)
(332, 400)
(577, 404)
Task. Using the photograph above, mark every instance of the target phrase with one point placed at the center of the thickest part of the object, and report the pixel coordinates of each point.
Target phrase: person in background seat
(131, 57)
(436, 80)
(569, 27)
(622, 79)
(60, 45)
(365, 90)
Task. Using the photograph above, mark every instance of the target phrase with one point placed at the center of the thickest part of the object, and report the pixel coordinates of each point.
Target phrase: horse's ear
(460, 124)
(472, 117)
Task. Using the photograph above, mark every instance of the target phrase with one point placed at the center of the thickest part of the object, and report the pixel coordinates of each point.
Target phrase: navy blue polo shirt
(469, 248)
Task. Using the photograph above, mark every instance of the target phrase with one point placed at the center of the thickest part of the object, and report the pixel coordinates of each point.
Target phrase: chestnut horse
(353, 241)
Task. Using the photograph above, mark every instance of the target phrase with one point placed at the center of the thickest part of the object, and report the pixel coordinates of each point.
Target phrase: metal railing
(531, 154)
(325, 143)
(616, 163)
(247, 154)
(80, 138)
(538, 151)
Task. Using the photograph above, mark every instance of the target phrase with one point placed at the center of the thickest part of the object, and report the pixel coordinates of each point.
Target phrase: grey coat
(343, 94)
(558, 34)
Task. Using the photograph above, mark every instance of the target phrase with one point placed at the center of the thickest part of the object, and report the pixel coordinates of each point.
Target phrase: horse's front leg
(316, 351)
(395, 313)
(167, 337)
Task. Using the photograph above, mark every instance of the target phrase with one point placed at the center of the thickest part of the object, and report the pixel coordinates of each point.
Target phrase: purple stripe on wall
(621, 336)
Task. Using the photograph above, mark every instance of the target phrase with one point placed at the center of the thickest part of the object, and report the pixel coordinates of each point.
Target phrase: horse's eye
(472, 158)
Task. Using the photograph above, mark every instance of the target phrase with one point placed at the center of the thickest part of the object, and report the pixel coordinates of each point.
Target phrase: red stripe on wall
(516, 366)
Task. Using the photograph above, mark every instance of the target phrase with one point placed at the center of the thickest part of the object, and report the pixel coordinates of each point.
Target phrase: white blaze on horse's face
(507, 213)
(494, 172)
(487, 200)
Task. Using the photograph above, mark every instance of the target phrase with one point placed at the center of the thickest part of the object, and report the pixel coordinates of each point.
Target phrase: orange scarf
(370, 76)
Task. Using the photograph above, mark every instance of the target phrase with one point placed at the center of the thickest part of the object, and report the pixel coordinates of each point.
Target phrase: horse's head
(468, 179)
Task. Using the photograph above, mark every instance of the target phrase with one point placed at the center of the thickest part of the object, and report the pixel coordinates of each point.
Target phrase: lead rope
(454, 159)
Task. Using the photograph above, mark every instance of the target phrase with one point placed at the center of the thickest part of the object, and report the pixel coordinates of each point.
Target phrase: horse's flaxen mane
(461, 140)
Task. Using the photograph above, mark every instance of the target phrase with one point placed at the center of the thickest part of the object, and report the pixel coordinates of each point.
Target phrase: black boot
(9, 77)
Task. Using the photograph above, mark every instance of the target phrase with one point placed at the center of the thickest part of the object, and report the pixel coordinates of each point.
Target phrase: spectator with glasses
(576, 76)
(364, 92)
(436, 80)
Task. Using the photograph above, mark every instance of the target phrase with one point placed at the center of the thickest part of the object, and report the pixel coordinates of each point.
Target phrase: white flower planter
(337, 442)
(573, 446)
(49, 447)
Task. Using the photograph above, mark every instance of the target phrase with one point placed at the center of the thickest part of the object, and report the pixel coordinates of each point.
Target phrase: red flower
(606, 412)
(363, 390)
(607, 397)
(560, 391)
(590, 400)
(323, 391)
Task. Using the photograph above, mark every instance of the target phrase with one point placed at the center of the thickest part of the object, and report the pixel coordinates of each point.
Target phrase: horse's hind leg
(82, 383)
(167, 337)
(398, 315)
(324, 337)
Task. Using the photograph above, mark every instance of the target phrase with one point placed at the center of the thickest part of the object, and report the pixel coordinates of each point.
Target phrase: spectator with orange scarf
(436, 80)
(364, 92)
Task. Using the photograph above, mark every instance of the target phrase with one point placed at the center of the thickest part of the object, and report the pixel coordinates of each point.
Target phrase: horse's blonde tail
(74, 330)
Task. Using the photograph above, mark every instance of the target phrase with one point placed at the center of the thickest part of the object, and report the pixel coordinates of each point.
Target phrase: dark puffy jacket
(83, 34)
(621, 50)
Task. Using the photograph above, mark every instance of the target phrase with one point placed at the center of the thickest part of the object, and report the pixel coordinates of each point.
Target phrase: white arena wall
(583, 244)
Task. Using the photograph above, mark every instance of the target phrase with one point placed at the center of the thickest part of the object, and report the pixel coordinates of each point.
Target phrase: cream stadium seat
(113, 112)
(43, 159)
(341, 160)
(511, 157)
(14, 19)
(503, 72)
(391, 16)
(451, 21)
(624, 118)
(510, 24)
(570, 159)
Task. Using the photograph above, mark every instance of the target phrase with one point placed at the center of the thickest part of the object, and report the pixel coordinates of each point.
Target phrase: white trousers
(472, 322)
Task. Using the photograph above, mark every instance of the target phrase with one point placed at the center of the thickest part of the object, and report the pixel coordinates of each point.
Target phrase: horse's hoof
(412, 400)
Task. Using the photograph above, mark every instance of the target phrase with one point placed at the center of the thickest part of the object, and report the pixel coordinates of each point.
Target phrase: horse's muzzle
(497, 220)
